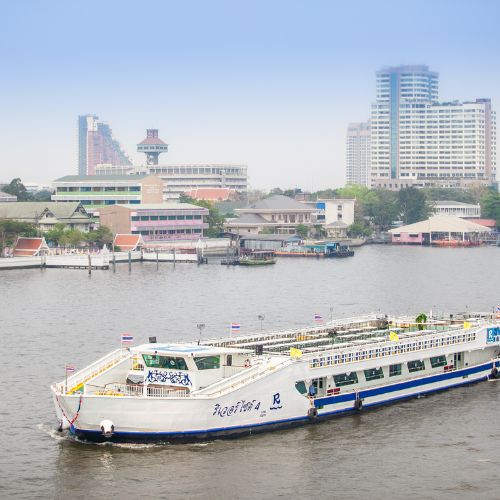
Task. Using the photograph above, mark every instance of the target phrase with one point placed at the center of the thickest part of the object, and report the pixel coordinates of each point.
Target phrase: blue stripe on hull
(229, 432)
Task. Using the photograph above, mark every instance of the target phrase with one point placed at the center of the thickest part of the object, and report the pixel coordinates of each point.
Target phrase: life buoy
(247, 363)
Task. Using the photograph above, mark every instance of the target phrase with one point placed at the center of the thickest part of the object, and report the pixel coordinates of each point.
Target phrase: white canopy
(442, 224)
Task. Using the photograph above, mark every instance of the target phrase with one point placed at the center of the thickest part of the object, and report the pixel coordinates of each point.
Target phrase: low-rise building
(335, 210)
(457, 208)
(6, 197)
(46, 214)
(212, 194)
(97, 191)
(157, 221)
(277, 214)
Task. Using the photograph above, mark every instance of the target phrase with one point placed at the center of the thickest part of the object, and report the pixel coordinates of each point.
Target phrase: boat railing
(137, 390)
(228, 384)
(77, 380)
(391, 348)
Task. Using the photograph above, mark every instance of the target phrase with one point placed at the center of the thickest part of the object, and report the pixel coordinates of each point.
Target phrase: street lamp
(200, 327)
(261, 318)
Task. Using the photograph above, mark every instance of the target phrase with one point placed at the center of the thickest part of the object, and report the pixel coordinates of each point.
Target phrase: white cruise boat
(252, 383)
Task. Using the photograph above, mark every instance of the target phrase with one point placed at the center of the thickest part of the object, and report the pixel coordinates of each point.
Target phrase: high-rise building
(418, 141)
(358, 154)
(96, 146)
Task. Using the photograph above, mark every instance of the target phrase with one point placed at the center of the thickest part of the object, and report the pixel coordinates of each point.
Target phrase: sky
(270, 84)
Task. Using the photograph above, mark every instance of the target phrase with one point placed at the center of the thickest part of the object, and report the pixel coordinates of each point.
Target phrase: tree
(301, 230)
(10, 230)
(413, 205)
(17, 188)
(382, 209)
(43, 195)
(54, 235)
(215, 219)
(490, 206)
(71, 238)
(358, 229)
(101, 236)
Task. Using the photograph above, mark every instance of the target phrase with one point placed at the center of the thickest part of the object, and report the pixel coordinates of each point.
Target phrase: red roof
(153, 141)
(491, 223)
(29, 247)
(212, 194)
(128, 242)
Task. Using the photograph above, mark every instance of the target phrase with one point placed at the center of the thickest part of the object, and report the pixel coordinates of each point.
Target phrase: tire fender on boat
(494, 372)
(358, 403)
(312, 413)
(107, 428)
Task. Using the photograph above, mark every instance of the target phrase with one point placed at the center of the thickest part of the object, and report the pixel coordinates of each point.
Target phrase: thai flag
(235, 327)
(70, 369)
(127, 338)
(318, 318)
(498, 312)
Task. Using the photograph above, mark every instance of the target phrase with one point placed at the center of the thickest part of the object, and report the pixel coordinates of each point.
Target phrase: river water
(444, 445)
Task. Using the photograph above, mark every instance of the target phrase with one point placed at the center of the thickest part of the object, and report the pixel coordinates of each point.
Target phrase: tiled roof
(32, 209)
(128, 242)
(491, 223)
(212, 194)
(28, 247)
(100, 178)
(153, 141)
(279, 202)
(250, 219)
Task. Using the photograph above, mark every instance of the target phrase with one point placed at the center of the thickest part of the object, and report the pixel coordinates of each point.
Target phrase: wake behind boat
(253, 383)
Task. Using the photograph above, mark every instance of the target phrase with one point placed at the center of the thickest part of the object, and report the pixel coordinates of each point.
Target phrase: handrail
(76, 381)
(389, 348)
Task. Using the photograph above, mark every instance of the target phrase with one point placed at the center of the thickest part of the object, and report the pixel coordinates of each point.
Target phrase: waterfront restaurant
(156, 221)
(441, 230)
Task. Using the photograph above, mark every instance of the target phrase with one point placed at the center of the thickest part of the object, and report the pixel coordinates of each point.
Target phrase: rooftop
(278, 202)
(100, 178)
(450, 203)
(164, 206)
(442, 224)
(186, 349)
(31, 209)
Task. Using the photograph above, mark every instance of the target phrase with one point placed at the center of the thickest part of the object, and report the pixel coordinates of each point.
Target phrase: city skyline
(273, 86)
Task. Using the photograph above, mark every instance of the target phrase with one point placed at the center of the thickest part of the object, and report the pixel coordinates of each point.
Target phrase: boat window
(207, 362)
(415, 366)
(166, 362)
(301, 387)
(438, 361)
(395, 370)
(345, 379)
(229, 360)
(373, 374)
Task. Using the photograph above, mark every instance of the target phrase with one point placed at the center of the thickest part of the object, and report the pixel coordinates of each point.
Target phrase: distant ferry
(265, 381)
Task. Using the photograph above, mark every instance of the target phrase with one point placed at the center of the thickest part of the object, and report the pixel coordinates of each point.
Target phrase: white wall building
(335, 210)
(416, 141)
(457, 208)
(358, 154)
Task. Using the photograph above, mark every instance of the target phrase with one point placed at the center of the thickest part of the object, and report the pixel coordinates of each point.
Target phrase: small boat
(257, 258)
(241, 385)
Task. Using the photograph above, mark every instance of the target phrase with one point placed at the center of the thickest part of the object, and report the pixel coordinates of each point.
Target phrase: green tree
(54, 235)
(490, 206)
(413, 205)
(43, 195)
(72, 238)
(359, 229)
(382, 208)
(10, 230)
(100, 237)
(301, 230)
(215, 219)
(17, 188)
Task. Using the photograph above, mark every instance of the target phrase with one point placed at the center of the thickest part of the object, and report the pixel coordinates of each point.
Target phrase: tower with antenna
(152, 146)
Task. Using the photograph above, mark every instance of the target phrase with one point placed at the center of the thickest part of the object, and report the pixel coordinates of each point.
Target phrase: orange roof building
(128, 242)
(30, 247)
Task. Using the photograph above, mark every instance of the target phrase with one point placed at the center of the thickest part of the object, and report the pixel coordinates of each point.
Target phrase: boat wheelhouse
(268, 380)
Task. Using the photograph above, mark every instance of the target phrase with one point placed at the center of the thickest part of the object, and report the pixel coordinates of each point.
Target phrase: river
(444, 445)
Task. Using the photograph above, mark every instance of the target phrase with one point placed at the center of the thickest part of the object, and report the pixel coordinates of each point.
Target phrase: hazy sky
(272, 84)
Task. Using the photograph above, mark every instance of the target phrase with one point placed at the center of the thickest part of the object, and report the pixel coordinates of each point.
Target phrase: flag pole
(66, 383)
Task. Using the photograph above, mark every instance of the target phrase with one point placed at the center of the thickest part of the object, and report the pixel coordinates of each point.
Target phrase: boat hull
(324, 408)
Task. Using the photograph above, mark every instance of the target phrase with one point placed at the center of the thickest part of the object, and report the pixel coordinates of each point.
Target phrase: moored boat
(252, 383)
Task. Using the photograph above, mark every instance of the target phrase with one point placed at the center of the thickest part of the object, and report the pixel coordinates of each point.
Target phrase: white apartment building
(358, 154)
(416, 141)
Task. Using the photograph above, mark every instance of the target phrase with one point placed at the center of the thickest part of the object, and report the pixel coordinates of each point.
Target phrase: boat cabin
(184, 366)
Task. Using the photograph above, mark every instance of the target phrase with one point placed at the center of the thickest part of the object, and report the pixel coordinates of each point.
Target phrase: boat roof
(186, 349)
